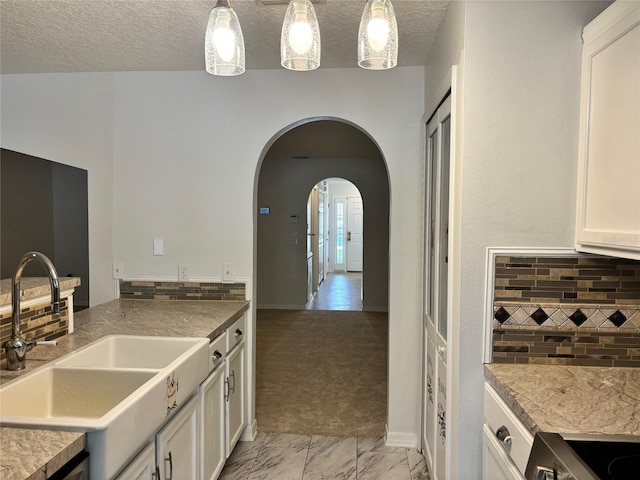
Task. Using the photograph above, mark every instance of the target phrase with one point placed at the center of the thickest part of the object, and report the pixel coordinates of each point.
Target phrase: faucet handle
(16, 349)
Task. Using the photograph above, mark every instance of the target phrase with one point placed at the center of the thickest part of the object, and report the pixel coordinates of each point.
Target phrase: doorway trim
(251, 430)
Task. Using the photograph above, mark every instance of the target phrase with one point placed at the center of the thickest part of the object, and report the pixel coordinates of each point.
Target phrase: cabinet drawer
(217, 351)
(236, 333)
(497, 414)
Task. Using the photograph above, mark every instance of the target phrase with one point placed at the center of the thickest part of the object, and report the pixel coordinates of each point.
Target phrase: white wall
(177, 153)
(518, 166)
(445, 50)
(68, 119)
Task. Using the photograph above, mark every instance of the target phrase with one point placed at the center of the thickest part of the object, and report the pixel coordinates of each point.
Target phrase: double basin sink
(119, 389)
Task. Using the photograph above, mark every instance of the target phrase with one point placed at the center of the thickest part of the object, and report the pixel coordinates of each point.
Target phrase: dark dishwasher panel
(76, 469)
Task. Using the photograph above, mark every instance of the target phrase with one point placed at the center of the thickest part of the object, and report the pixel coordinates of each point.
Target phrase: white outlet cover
(183, 273)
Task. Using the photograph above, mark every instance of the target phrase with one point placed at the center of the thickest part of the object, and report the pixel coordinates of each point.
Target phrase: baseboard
(281, 307)
(366, 308)
(250, 432)
(400, 439)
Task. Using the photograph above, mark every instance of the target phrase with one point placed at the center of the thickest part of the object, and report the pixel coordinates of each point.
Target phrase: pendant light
(300, 39)
(378, 36)
(224, 44)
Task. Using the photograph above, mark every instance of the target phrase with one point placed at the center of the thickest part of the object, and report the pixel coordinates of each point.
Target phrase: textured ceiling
(138, 35)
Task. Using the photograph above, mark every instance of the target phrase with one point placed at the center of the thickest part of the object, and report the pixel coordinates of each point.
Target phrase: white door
(339, 223)
(236, 418)
(436, 294)
(321, 237)
(212, 434)
(177, 444)
(354, 234)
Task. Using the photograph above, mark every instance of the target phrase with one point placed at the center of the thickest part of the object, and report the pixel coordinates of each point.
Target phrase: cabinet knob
(238, 333)
(216, 355)
(504, 436)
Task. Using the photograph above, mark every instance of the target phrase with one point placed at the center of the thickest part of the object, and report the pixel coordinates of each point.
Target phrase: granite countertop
(570, 399)
(34, 287)
(23, 457)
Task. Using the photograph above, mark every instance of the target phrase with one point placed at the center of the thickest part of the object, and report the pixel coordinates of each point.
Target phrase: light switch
(158, 246)
(118, 269)
(227, 272)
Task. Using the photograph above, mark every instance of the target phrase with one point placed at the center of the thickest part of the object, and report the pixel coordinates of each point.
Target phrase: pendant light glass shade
(378, 36)
(224, 44)
(300, 39)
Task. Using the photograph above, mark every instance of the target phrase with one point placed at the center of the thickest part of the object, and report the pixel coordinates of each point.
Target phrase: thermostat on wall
(264, 210)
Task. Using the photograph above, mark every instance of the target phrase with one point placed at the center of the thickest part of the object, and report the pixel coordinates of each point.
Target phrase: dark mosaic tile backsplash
(578, 310)
(36, 323)
(181, 290)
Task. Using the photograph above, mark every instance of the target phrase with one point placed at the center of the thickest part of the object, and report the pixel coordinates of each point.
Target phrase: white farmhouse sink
(119, 389)
(132, 351)
(54, 395)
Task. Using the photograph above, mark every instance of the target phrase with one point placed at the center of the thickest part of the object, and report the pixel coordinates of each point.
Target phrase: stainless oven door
(553, 459)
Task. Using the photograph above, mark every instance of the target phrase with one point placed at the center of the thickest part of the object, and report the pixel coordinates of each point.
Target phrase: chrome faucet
(16, 347)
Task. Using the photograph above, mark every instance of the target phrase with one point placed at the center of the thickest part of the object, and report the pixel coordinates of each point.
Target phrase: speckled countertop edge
(570, 399)
(23, 455)
(33, 287)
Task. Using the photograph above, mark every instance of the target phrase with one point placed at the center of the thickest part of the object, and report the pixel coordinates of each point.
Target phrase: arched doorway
(298, 158)
(335, 242)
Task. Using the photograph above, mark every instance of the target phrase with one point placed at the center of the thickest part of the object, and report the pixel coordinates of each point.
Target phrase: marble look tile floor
(283, 456)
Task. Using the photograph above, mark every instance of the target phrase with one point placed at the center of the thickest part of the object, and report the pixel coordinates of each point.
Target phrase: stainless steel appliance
(584, 457)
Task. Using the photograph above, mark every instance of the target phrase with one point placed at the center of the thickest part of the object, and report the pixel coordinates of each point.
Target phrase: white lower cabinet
(496, 464)
(177, 444)
(174, 454)
(212, 434)
(506, 442)
(236, 419)
(143, 466)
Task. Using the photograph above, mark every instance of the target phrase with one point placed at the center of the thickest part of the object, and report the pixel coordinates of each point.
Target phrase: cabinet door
(496, 464)
(436, 317)
(177, 444)
(235, 393)
(212, 431)
(143, 466)
(608, 206)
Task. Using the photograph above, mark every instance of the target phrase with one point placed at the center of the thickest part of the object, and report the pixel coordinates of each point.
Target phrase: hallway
(339, 291)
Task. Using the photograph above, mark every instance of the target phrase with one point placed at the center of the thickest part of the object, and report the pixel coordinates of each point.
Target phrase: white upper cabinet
(608, 203)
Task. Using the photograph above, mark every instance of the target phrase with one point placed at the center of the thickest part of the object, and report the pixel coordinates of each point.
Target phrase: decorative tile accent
(501, 315)
(36, 323)
(139, 290)
(539, 316)
(578, 317)
(618, 318)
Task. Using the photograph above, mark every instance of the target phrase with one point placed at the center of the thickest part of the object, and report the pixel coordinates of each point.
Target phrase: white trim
(492, 253)
(70, 322)
(400, 439)
(250, 432)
